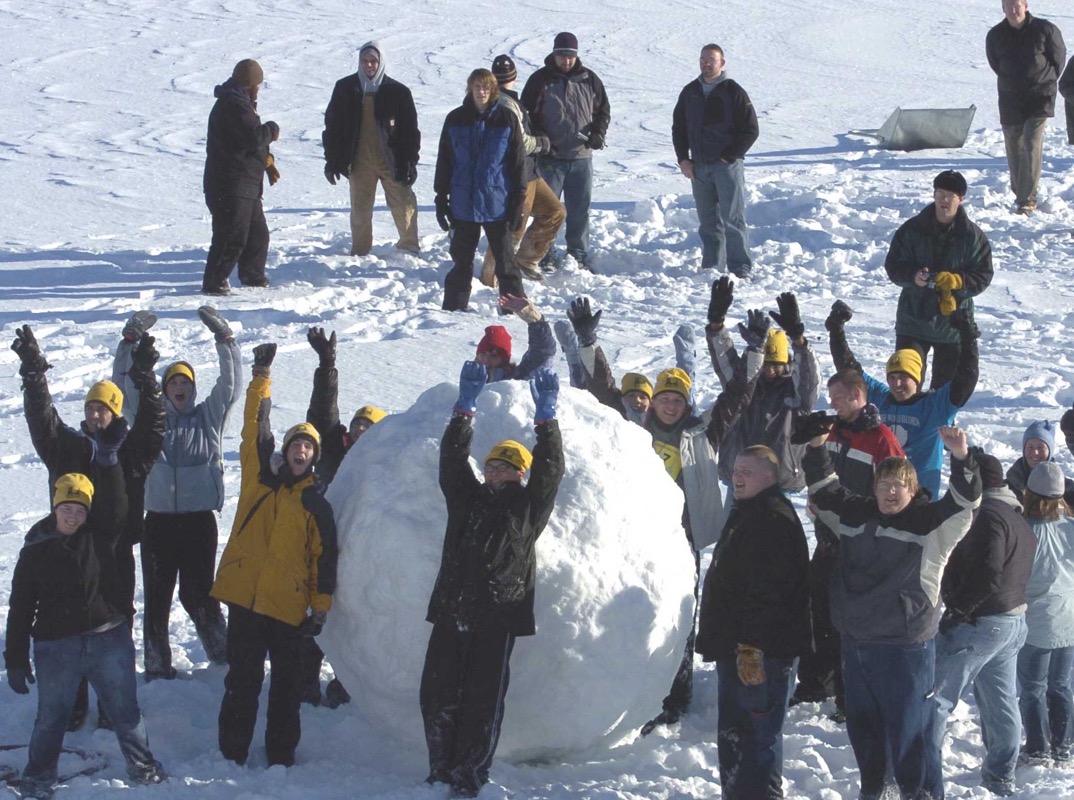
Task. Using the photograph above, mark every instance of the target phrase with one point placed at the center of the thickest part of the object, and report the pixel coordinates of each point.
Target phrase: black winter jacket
(68, 585)
(1018, 477)
(237, 144)
(562, 105)
(1027, 62)
(757, 589)
(489, 564)
(989, 569)
(396, 118)
(721, 126)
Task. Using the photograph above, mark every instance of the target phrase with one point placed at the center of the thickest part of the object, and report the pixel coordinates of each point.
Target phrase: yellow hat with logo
(673, 380)
(371, 413)
(907, 360)
(777, 349)
(178, 368)
(636, 382)
(74, 487)
(305, 430)
(514, 453)
(108, 394)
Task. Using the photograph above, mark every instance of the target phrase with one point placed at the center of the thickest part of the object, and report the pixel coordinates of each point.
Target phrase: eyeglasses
(886, 487)
(496, 467)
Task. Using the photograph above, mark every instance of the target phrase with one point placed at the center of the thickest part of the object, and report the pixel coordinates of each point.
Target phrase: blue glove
(545, 390)
(472, 380)
(109, 440)
(18, 677)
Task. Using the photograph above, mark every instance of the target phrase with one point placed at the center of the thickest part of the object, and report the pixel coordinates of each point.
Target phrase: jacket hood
(371, 84)
(1003, 494)
(232, 88)
(44, 530)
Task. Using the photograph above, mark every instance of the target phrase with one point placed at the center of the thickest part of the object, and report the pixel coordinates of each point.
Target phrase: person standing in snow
(480, 183)
(483, 596)
(1038, 445)
(885, 598)
(788, 387)
(712, 128)
(184, 492)
(942, 261)
(237, 158)
(1027, 54)
(66, 594)
(277, 574)
(336, 442)
(371, 135)
(983, 626)
(540, 202)
(915, 417)
(754, 624)
(567, 103)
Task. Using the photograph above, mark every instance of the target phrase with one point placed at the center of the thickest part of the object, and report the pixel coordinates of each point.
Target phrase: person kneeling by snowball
(483, 597)
(64, 594)
(279, 563)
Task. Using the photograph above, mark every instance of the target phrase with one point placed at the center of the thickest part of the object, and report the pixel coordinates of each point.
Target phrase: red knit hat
(496, 338)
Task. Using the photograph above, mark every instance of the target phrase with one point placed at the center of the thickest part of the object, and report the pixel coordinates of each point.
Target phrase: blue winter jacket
(481, 164)
(1050, 591)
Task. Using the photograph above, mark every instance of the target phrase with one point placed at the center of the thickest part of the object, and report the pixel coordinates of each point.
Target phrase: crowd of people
(910, 595)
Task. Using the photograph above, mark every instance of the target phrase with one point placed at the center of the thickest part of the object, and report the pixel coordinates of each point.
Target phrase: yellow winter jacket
(281, 557)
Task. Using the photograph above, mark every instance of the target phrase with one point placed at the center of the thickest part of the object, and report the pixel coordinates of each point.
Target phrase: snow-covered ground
(100, 166)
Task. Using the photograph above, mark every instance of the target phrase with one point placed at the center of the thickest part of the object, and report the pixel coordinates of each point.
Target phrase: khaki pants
(401, 202)
(1025, 144)
(548, 213)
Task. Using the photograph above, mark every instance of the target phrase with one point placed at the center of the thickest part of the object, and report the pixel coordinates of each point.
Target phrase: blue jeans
(1045, 699)
(890, 715)
(985, 655)
(107, 661)
(750, 729)
(720, 196)
(572, 180)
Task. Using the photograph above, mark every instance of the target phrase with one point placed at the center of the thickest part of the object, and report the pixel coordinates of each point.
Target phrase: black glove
(144, 357)
(26, 348)
(332, 175)
(313, 624)
(109, 440)
(595, 141)
(325, 347)
(263, 354)
(962, 321)
(216, 324)
(515, 220)
(1066, 424)
(139, 323)
(755, 331)
(839, 316)
(443, 212)
(544, 145)
(584, 321)
(723, 293)
(407, 174)
(788, 316)
(811, 425)
(18, 677)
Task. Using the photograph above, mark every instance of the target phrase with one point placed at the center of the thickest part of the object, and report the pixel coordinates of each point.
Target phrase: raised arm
(142, 447)
(548, 463)
(842, 355)
(456, 477)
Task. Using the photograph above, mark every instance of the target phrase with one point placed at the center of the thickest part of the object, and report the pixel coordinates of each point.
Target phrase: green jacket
(961, 248)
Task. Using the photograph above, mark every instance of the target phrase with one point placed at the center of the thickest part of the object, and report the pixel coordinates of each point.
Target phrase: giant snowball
(614, 573)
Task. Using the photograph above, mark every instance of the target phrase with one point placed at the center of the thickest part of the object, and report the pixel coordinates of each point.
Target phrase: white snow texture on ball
(614, 595)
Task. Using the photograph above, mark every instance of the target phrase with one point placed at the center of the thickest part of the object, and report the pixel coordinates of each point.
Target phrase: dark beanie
(991, 471)
(950, 181)
(504, 69)
(565, 44)
(248, 73)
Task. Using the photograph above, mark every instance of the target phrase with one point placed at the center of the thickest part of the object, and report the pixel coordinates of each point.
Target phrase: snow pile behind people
(614, 583)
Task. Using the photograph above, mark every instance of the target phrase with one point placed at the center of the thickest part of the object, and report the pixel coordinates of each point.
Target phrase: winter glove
(962, 321)
(595, 141)
(788, 316)
(324, 346)
(810, 426)
(271, 171)
(216, 324)
(144, 357)
(263, 355)
(139, 323)
(839, 316)
(407, 174)
(545, 390)
(26, 348)
(443, 212)
(750, 663)
(331, 175)
(723, 293)
(472, 380)
(544, 145)
(109, 440)
(755, 331)
(867, 420)
(947, 281)
(313, 624)
(516, 221)
(18, 677)
(584, 321)
(947, 303)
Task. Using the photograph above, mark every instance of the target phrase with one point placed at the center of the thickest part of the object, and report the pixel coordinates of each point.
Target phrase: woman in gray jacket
(183, 493)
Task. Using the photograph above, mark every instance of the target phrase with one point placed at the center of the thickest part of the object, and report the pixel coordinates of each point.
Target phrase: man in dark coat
(755, 624)
(1027, 54)
(942, 261)
(236, 160)
(371, 135)
(483, 597)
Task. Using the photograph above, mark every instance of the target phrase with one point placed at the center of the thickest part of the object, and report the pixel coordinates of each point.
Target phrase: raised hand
(145, 355)
(584, 321)
(788, 317)
(545, 390)
(755, 331)
(472, 380)
(723, 294)
(139, 323)
(954, 439)
(840, 315)
(216, 324)
(324, 346)
(28, 351)
(264, 354)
